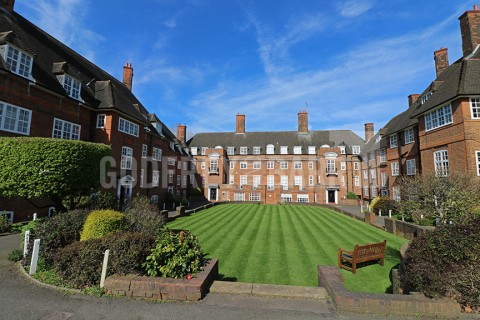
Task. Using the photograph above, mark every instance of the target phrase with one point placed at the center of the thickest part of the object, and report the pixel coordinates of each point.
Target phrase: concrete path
(355, 210)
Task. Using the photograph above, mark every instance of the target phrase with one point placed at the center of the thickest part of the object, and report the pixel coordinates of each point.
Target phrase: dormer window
(18, 61)
(355, 149)
(283, 150)
(297, 150)
(342, 149)
(71, 85)
(243, 150)
(256, 150)
(270, 149)
(230, 151)
(194, 151)
(311, 150)
(426, 96)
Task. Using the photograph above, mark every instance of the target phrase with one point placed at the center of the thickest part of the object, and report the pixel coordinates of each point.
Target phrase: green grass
(284, 244)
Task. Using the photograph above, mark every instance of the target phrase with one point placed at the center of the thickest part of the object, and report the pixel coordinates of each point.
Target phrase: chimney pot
(470, 29)
(369, 131)
(413, 98)
(128, 76)
(441, 60)
(303, 121)
(182, 132)
(240, 127)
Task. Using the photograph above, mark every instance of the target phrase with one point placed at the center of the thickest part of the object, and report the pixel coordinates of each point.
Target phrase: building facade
(277, 167)
(48, 90)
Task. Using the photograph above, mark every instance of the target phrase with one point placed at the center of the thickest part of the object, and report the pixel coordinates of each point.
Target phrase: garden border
(330, 278)
(136, 286)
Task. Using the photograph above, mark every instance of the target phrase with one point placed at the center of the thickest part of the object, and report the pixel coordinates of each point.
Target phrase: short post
(361, 208)
(25, 243)
(403, 217)
(389, 213)
(34, 216)
(379, 212)
(421, 217)
(104, 268)
(34, 261)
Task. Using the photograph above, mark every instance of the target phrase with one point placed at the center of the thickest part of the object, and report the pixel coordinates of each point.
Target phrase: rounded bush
(175, 255)
(143, 216)
(352, 195)
(444, 263)
(384, 204)
(102, 222)
(80, 263)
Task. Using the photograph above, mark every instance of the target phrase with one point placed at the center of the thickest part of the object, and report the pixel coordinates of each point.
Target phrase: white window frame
(243, 150)
(302, 198)
(365, 174)
(157, 154)
(373, 174)
(144, 150)
(256, 181)
(194, 151)
(231, 179)
(155, 178)
(411, 167)
(393, 141)
(310, 165)
(142, 171)
(477, 158)
(170, 176)
(297, 150)
(342, 149)
(298, 165)
(438, 118)
(355, 166)
(298, 181)
(441, 163)
(270, 165)
(22, 119)
(284, 182)
(286, 198)
(213, 165)
(127, 158)
(243, 180)
(383, 155)
(395, 169)
(342, 180)
(203, 151)
(312, 150)
(254, 196)
(374, 191)
(232, 165)
(355, 149)
(270, 149)
(283, 165)
(230, 151)
(257, 165)
(171, 162)
(270, 182)
(65, 130)
(243, 165)
(343, 165)
(383, 176)
(310, 180)
(409, 136)
(357, 181)
(128, 127)
(475, 108)
(101, 120)
(256, 150)
(10, 215)
(71, 85)
(284, 150)
(21, 64)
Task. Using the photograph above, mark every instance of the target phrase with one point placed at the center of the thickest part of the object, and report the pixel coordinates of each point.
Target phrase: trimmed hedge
(445, 263)
(80, 263)
(52, 168)
(102, 222)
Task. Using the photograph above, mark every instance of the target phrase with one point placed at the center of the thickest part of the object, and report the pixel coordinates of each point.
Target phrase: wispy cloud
(355, 8)
(368, 83)
(64, 19)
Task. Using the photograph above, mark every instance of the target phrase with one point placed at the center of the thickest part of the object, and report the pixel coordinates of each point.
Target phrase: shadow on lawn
(222, 277)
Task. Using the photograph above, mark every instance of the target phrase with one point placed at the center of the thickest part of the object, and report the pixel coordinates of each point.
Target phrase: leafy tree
(50, 168)
(454, 198)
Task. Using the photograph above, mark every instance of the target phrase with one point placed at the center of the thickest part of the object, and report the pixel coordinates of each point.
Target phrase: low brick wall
(164, 288)
(393, 304)
(404, 229)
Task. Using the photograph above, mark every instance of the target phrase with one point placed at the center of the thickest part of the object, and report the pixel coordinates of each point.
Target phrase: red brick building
(49, 90)
(274, 167)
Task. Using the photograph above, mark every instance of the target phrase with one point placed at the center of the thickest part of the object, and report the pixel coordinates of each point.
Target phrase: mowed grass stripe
(284, 244)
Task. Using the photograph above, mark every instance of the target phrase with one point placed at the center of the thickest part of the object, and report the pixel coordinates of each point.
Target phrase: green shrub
(4, 224)
(102, 200)
(175, 255)
(384, 204)
(80, 263)
(143, 216)
(352, 195)
(373, 203)
(102, 222)
(444, 263)
(55, 232)
(195, 192)
(15, 255)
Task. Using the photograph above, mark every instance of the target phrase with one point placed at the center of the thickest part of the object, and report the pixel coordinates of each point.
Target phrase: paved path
(355, 210)
(22, 299)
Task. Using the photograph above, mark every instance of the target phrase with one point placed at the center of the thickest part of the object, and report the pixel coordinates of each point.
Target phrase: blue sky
(200, 62)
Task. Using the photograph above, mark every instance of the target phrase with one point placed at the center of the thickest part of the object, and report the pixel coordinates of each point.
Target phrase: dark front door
(213, 194)
(331, 196)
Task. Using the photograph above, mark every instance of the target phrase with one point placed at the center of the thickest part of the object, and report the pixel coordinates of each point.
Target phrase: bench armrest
(346, 251)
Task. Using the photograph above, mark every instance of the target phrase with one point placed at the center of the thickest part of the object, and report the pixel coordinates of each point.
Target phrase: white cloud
(355, 8)
(64, 20)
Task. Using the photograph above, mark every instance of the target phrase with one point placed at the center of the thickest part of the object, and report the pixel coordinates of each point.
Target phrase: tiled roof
(277, 138)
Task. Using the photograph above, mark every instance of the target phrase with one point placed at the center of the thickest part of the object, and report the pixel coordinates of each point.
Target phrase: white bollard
(34, 261)
(361, 208)
(379, 212)
(104, 268)
(389, 213)
(403, 217)
(421, 217)
(25, 243)
(34, 216)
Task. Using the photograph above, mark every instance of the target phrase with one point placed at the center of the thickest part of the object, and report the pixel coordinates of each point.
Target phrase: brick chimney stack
(8, 4)
(303, 121)
(470, 28)
(128, 76)
(182, 132)
(240, 128)
(413, 98)
(441, 60)
(369, 131)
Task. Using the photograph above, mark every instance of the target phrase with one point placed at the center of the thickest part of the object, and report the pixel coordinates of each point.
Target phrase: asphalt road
(22, 299)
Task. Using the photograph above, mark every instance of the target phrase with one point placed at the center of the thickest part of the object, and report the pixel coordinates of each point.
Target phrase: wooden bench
(367, 252)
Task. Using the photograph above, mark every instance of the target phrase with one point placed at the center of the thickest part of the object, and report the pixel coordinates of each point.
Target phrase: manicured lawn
(284, 244)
